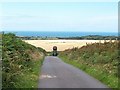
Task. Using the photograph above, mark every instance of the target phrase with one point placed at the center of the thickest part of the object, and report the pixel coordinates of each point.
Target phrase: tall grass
(20, 63)
(98, 59)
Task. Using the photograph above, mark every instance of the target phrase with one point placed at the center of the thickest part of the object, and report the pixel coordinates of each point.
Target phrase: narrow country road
(57, 74)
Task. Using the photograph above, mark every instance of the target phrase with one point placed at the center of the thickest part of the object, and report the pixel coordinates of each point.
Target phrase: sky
(59, 16)
(59, 0)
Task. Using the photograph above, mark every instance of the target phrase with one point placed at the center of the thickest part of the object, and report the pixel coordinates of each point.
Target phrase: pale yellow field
(61, 44)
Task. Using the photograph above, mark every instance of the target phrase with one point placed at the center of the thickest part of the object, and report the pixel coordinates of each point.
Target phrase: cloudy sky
(59, 16)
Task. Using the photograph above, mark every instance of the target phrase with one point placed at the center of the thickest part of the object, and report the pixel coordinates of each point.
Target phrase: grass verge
(95, 71)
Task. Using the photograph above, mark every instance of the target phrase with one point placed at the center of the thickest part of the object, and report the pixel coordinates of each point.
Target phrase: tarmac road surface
(57, 74)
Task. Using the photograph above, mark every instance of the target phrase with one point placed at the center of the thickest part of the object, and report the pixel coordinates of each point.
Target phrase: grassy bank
(29, 78)
(99, 60)
(21, 63)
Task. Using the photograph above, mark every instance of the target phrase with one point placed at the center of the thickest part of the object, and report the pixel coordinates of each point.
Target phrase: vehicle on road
(54, 53)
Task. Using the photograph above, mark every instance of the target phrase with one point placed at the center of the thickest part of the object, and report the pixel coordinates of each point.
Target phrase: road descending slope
(57, 74)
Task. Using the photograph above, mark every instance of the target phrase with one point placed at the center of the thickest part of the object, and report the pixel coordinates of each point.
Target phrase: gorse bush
(103, 57)
(17, 57)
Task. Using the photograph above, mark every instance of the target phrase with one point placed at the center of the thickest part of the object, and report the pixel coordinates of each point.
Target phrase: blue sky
(60, 16)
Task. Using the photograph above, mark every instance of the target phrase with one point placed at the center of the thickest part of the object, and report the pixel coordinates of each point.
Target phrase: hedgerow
(103, 57)
(16, 59)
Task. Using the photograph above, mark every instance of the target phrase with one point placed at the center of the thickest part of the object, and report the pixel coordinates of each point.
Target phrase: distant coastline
(60, 34)
(26, 35)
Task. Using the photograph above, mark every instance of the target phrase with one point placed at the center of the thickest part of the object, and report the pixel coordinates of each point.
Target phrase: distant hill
(89, 37)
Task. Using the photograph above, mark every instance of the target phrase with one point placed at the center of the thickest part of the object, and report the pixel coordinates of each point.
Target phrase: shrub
(15, 59)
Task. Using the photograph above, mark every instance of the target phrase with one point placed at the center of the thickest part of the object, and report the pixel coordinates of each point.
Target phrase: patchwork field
(61, 44)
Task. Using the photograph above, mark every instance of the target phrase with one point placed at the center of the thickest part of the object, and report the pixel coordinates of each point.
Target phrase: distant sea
(61, 34)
